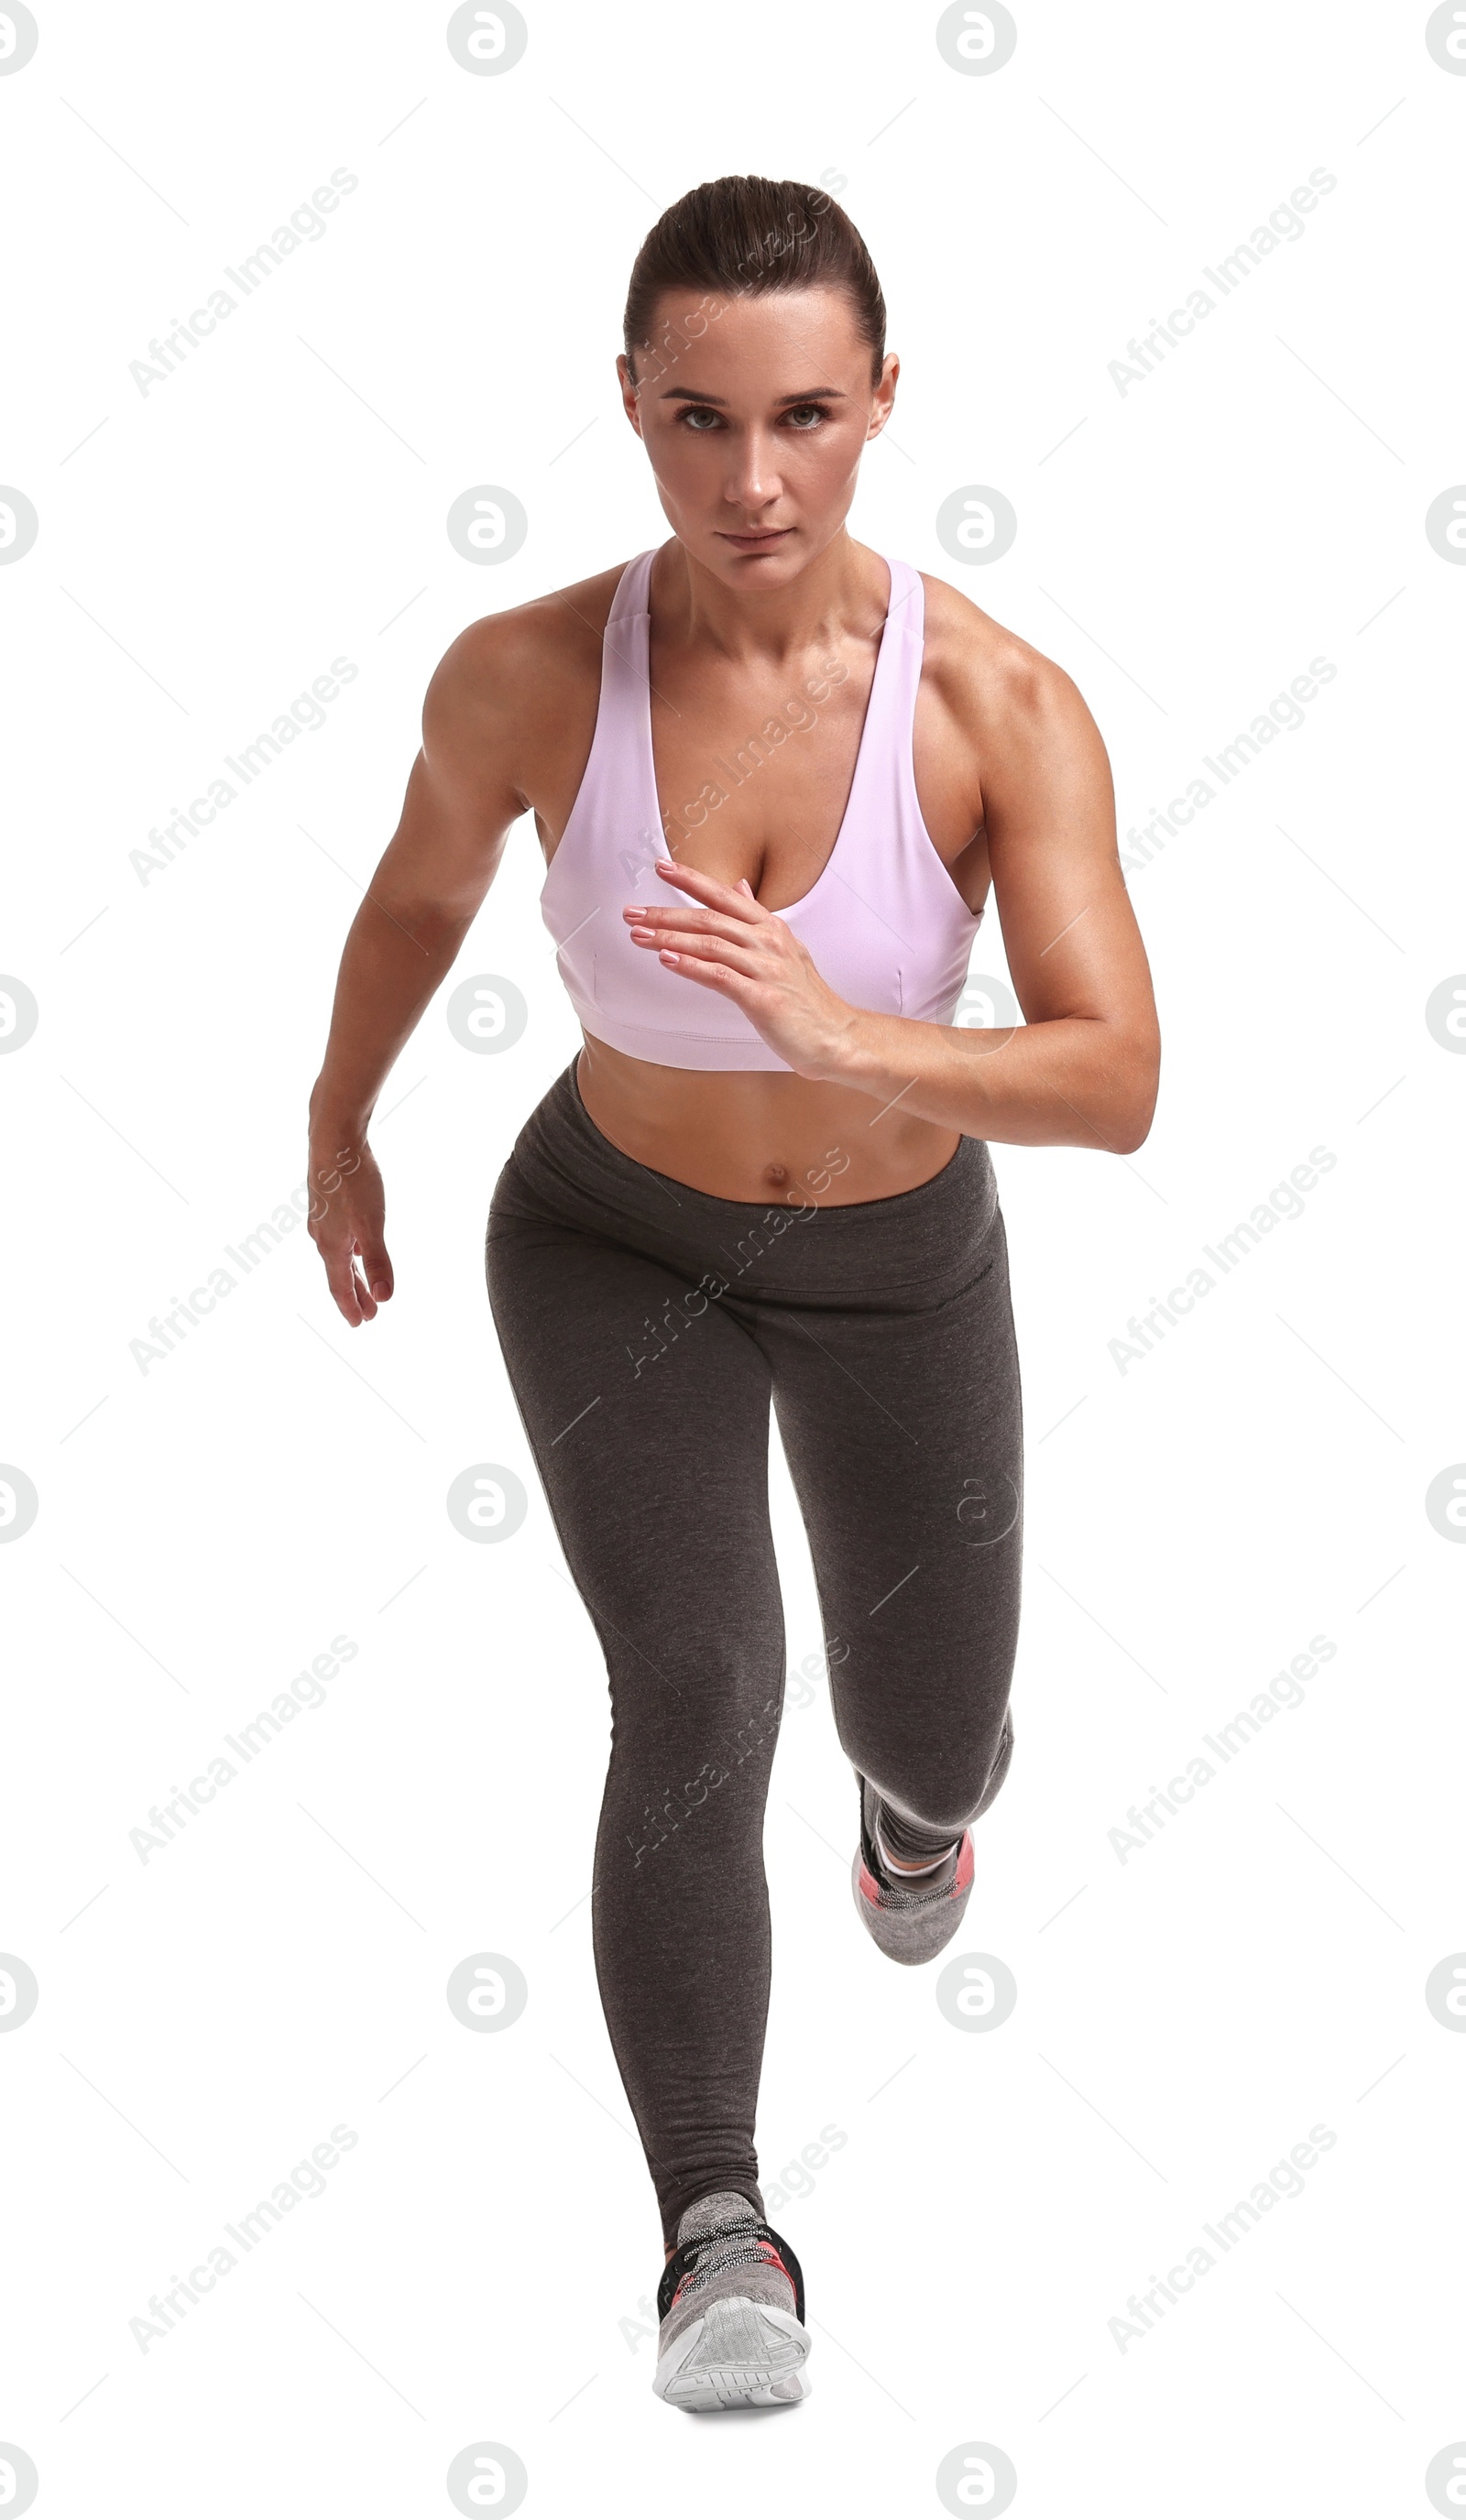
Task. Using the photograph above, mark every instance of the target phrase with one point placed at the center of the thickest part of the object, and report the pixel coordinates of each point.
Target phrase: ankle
(900, 1867)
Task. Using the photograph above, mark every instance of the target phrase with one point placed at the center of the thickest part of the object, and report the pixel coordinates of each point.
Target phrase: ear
(883, 395)
(630, 392)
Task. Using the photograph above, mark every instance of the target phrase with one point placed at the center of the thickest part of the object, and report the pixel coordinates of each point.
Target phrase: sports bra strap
(905, 633)
(633, 589)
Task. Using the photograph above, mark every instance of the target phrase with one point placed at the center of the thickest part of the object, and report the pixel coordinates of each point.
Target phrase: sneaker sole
(738, 2353)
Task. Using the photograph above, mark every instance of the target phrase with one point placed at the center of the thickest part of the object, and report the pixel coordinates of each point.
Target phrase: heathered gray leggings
(645, 1327)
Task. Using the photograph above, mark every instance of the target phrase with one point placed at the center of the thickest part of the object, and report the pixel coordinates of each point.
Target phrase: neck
(842, 592)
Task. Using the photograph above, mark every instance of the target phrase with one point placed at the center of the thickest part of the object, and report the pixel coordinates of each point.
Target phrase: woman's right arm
(462, 797)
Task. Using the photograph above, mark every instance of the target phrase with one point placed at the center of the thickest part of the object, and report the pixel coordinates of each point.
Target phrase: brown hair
(744, 234)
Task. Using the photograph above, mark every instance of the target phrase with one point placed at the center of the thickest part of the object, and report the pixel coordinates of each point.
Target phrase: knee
(950, 1795)
(669, 1809)
(712, 1777)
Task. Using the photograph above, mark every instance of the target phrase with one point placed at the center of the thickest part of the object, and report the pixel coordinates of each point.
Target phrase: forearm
(1076, 1081)
(393, 960)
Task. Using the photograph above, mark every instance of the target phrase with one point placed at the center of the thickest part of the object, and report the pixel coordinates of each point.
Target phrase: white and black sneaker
(731, 2303)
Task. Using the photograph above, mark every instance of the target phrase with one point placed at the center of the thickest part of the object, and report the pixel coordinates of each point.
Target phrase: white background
(206, 1528)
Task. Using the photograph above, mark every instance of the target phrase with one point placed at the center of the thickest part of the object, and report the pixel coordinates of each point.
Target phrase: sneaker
(910, 1925)
(731, 2302)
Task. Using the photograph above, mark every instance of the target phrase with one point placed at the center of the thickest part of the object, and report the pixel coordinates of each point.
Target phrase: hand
(728, 942)
(348, 1210)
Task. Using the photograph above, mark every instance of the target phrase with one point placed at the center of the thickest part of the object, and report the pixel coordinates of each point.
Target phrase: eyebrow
(817, 394)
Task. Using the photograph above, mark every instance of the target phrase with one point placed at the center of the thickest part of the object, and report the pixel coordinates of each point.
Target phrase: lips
(757, 542)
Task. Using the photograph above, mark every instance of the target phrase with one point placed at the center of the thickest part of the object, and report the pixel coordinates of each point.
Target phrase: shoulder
(510, 652)
(991, 683)
(517, 674)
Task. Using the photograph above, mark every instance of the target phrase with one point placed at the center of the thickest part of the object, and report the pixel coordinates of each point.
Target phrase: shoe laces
(697, 2261)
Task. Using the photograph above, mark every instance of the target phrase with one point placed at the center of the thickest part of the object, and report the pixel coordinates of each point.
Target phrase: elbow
(1135, 1105)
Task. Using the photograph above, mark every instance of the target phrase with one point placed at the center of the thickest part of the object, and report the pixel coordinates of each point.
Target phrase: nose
(754, 482)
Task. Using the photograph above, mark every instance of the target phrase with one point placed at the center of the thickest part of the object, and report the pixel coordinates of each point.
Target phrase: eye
(696, 414)
(806, 414)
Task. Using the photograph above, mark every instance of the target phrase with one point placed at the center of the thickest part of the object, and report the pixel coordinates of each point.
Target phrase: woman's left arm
(1081, 1071)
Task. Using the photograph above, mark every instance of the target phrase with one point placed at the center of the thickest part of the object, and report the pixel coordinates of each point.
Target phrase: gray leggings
(645, 1327)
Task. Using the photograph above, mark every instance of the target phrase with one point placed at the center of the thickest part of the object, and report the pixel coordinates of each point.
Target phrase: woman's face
(754, 412)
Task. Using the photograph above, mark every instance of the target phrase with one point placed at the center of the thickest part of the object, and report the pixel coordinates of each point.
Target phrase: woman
(773, 776)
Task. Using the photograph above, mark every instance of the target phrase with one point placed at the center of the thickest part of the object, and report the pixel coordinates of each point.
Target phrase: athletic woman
(773, 776)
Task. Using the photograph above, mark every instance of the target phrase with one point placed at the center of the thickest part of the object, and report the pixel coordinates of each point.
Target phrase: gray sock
(714, 2213)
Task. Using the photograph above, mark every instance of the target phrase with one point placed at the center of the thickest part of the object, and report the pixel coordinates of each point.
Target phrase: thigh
(649, 1423)
(902, 1426)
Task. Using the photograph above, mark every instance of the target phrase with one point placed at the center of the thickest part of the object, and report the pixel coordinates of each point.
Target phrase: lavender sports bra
(883, 921)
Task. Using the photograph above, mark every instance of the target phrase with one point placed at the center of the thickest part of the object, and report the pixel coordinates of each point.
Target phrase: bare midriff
(755, 1135)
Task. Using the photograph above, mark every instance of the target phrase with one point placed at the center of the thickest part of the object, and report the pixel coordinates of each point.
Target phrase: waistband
(564, 1171)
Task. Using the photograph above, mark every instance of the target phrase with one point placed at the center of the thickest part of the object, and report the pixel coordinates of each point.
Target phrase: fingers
(685, 921)
(675, 950)
(713, 975)
(376, 1267)
(735, 899)
(357, 1289)
(352, 1299)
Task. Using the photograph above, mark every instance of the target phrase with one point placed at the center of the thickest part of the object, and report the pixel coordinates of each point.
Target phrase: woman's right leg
(656, 1468)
